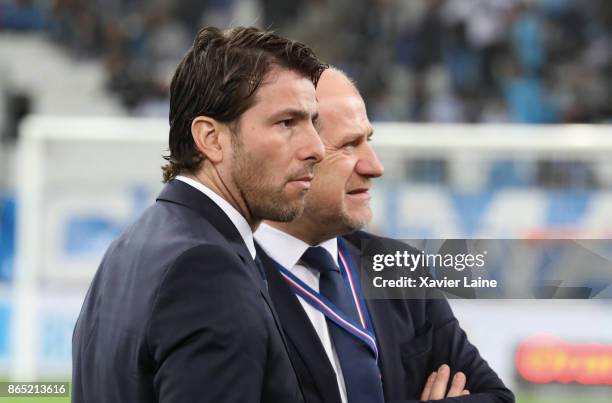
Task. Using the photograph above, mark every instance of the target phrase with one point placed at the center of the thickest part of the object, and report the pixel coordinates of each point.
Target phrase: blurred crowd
(527, 61)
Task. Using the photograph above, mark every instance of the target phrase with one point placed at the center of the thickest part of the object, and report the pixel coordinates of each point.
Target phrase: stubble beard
(264, 200)
(336, 221)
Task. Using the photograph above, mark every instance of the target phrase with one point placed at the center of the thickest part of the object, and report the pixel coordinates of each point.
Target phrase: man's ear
(207, 133)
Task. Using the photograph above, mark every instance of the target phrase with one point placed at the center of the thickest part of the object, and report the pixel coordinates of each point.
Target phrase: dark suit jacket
(415, 337)
(178, 312)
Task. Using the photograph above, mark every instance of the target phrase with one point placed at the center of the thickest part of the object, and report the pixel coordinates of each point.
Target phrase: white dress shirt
(287, 251)
(234, 215)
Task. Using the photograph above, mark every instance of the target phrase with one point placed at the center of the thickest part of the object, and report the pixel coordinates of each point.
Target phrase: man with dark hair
(345, 348)
(178, 310)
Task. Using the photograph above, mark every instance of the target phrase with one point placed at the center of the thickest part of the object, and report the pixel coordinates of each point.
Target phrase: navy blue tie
(361, 374)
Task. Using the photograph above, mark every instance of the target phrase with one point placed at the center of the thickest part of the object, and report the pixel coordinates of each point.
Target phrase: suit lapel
(181, 193)
(300, 332)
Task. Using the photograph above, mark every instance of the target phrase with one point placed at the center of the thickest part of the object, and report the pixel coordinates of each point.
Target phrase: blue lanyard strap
(363, 331)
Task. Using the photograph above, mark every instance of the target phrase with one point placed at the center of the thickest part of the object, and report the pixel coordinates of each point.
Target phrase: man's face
(276, 147)
(339, 198)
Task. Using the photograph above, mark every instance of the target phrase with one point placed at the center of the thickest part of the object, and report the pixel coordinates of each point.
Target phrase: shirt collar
(234, 215)
(287, 249)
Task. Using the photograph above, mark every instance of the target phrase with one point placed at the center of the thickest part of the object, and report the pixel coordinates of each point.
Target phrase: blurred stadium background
(492, 119)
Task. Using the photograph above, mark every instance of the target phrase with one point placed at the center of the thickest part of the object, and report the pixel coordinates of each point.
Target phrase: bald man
(345, 348)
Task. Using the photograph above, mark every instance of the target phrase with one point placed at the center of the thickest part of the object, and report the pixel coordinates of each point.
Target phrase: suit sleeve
(450, 344)
(205, 334)
(454, 348)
